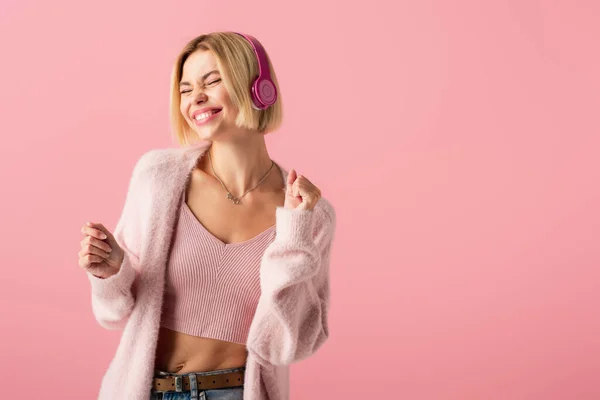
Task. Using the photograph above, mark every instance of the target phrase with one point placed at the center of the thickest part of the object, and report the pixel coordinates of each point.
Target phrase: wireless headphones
(264, 92)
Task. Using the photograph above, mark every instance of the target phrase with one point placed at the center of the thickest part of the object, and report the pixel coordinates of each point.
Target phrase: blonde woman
(218, 268)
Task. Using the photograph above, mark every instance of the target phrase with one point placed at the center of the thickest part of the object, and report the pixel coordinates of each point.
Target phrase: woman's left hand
(300, 193)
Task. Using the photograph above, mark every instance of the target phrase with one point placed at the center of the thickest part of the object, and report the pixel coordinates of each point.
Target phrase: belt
(182, 382)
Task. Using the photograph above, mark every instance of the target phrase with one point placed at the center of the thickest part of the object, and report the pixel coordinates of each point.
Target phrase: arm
(113, 298)
(290, 322)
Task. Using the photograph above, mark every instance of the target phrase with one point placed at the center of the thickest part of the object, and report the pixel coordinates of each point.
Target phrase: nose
(200, 97)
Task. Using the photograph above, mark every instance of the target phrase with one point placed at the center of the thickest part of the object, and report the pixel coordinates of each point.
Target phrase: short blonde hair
(238, 66)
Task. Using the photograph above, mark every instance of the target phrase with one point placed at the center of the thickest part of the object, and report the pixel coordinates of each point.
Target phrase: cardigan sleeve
(113, 298)
(290, 322)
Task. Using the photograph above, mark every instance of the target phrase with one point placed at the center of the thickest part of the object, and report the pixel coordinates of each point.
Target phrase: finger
(301, 186)
(295, 189)
(310, 194)
(104, 230)
(86, 261)
(91, 249)
(291, 177)
(304, 182)
(101, 228)
(96, 242)
(313, 189)
(96, 230)
(306, 187)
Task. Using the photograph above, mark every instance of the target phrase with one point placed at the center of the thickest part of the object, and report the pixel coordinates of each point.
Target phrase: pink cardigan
(290, 321)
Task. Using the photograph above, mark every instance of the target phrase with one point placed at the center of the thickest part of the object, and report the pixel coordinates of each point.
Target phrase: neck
(241, 164)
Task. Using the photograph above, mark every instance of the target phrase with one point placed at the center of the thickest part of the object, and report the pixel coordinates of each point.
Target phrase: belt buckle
(179, 383)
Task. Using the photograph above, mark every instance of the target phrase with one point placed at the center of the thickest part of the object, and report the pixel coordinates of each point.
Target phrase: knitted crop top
(211, 287)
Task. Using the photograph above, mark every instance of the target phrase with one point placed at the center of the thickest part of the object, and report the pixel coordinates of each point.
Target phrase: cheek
(226, 102)
(223, 97)
(183, 109)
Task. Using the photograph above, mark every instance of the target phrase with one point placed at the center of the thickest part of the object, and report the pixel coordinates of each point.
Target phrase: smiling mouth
(208, 114)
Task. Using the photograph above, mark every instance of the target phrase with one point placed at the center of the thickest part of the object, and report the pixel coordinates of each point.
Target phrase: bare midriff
(180, 353)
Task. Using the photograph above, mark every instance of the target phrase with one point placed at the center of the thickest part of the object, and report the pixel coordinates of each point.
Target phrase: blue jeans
(231, 393)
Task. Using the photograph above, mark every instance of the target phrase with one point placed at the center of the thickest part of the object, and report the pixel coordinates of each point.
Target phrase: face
(205, 102)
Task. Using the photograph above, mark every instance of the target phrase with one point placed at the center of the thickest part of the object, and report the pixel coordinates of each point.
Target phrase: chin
(207, 135)
(219, 132)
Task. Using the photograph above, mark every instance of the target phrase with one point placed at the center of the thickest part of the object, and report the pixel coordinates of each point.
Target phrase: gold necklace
(236, 200)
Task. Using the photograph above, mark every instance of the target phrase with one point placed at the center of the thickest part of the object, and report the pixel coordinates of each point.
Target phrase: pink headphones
(264, 92)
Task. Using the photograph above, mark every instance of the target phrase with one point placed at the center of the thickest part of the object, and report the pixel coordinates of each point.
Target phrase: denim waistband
(195, 393)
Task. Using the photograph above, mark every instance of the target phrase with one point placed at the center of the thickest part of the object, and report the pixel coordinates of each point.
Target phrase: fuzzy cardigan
(290, 320)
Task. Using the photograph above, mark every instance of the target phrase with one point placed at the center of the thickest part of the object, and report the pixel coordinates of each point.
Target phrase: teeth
(205, 115)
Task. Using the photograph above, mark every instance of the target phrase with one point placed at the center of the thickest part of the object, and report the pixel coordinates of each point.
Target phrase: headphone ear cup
(265, 92)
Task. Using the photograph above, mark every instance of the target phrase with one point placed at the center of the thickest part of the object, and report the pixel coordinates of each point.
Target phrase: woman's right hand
(100, 254)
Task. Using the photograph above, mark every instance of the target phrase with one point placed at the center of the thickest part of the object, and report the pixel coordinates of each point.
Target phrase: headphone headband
(264, 92)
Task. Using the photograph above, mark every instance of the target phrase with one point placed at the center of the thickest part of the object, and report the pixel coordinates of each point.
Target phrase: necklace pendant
(233, 199)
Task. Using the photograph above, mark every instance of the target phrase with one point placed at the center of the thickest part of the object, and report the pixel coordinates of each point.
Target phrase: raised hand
(100, 254)
(300, 193)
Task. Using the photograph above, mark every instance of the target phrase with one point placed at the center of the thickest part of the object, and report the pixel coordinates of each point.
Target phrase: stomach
(180, 353)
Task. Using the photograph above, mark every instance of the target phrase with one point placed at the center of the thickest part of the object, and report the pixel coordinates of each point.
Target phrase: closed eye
(210, 83)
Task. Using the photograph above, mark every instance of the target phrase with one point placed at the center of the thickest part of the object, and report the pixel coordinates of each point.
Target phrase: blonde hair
(238, 66)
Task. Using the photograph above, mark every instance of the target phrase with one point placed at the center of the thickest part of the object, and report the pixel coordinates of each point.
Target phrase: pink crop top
(212, 288)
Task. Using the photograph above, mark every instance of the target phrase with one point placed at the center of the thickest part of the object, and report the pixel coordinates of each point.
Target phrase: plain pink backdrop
(457, 140)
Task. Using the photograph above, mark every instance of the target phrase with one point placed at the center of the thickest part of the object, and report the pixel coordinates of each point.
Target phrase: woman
(218, 268)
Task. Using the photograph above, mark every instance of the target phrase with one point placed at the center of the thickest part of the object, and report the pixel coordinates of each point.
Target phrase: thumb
(291, 178)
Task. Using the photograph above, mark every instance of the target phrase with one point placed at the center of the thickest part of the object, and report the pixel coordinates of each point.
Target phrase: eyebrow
(203, 77)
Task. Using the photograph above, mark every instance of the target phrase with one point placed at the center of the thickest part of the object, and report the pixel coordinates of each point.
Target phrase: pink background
(457, 140)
